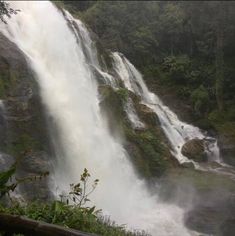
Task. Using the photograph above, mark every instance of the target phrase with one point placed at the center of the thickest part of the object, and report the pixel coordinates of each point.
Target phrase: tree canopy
(185, 44)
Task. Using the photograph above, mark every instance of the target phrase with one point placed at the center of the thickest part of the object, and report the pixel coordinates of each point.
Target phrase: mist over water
(59, 56)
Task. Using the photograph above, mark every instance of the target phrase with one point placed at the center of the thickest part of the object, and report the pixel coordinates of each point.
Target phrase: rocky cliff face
(148, 148)
(222, 131)
(227, 142)
(23, 129)
(24, 133)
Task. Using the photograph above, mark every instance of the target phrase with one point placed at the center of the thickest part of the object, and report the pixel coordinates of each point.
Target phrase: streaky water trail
(70, 95)
(177, 131)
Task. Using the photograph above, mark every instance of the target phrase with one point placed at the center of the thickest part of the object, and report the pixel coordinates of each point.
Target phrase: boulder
(189, 165)
(147, 115)
(194, 149)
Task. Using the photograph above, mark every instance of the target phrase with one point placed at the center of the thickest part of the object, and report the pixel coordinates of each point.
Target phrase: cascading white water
(84, 38)
(89, 49)
(132, 115)
(177, 132)
(91, 54)
(69, 92)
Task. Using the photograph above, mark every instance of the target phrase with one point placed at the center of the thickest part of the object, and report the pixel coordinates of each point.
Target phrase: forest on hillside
(117, 118)
(187, 45)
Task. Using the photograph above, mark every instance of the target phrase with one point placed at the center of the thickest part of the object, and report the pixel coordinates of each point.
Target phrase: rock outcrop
(194, 149)
(148, 148)
(226, 142)
(22, 123)
(147, 115)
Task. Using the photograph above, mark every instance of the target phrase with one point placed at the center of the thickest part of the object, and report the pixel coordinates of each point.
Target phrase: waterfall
(132, 115)
(177, 132)
(56, 53)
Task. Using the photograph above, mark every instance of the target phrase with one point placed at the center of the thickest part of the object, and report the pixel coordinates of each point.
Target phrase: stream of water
(70, 95)
(63, 56)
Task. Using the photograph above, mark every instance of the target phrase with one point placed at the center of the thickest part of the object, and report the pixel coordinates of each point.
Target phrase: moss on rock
(148, 147)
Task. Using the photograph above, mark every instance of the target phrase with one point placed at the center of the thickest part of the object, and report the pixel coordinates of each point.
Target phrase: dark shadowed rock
(213, 214)
(34, 164)
(194, 149)
(188, 165)
(6, 161)
(22, 123)
(147, 115)
(227, 148)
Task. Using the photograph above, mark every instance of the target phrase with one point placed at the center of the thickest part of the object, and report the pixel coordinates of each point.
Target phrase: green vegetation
(70, 211)
(145, 146)
(5, 176)
(123, 94)
(188, 46)
(147, 153)
(70, 216)
(200, 100)
(8, 181)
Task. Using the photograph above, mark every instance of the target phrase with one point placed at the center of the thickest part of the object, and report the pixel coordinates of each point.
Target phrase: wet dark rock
(213, 214)
(188, 165)
(6, 161)
(228, 227)
(22, 122)
(227, 149)
(148, 148)
(35, 164)
(147, 115)
(184, 110)
(194, 149)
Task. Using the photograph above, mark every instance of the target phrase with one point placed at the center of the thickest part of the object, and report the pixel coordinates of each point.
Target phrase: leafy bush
(123, 94)
(177, 67)
(184, 91)
(200, 100)
(70, 211)
(70, 216)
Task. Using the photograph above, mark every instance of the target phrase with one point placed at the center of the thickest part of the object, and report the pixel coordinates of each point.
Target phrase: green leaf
(91, 210)
(6, 175)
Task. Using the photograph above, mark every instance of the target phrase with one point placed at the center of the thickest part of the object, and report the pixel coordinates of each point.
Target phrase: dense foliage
(185, 45)
(70, 216)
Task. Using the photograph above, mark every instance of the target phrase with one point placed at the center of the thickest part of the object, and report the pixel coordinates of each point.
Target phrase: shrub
(70, 211)
(200, 100)
(177, 67)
